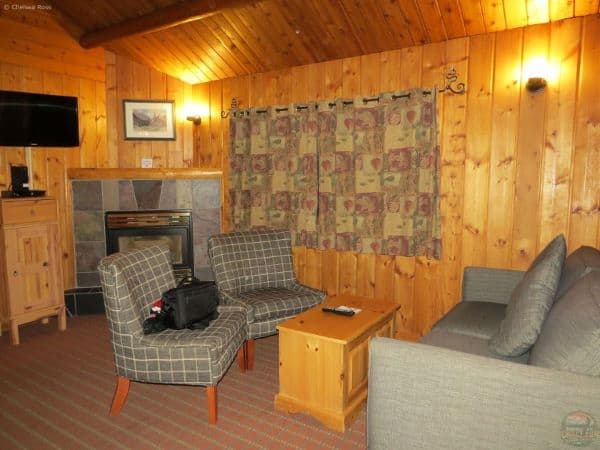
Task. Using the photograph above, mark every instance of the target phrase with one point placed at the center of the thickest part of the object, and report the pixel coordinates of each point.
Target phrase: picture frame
(149, 120)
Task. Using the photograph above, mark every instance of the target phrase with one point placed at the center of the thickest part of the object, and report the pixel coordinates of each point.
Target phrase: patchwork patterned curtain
(348, 175)
(273, 171)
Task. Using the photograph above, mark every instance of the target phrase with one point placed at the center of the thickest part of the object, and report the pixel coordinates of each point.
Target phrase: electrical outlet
(146, 163)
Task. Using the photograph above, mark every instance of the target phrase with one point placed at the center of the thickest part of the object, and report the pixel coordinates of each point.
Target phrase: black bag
(192, 304)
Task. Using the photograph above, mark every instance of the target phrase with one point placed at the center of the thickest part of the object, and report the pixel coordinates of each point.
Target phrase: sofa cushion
(530, 302)
(578, 264)
(467, 344)
(570, 337)
(477, 319)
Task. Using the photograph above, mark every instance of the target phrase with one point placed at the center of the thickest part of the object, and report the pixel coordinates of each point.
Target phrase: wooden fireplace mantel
(141, 174)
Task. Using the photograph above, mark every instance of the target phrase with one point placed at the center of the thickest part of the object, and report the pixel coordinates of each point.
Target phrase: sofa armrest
(427, 397)
(489, 285)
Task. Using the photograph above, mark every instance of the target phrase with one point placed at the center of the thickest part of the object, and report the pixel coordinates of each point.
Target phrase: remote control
(341, 312)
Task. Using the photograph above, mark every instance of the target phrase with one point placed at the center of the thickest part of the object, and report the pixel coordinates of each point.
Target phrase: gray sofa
(453, 390)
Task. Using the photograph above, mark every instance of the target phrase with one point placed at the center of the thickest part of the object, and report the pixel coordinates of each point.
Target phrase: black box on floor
(81, 301)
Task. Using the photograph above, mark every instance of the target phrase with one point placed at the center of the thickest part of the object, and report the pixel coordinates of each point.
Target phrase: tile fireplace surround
(92, 198)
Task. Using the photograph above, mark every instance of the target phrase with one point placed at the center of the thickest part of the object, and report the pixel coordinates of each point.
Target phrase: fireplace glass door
(126, 230)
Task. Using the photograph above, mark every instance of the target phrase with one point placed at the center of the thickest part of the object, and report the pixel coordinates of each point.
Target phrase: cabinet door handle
(15, 274)
(45, 264)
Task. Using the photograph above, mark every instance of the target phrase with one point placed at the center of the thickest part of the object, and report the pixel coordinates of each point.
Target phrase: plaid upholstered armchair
(131, 282)
(255, 269)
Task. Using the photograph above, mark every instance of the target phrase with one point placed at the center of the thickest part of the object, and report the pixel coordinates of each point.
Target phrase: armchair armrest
(489, 285)
(297, 286)
(228, 299)
(428, 397)
(231, 308)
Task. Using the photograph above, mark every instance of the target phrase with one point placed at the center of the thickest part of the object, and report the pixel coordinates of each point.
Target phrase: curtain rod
(451, 77)
(344, 102)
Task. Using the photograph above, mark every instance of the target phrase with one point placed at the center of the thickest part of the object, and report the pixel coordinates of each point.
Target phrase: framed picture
(149, 119)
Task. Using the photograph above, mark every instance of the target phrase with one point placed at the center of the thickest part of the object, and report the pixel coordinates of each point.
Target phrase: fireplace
(92, 199)
(128, 230)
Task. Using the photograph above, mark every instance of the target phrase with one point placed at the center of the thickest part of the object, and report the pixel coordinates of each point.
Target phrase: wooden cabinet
(30, 264)
(324, 359)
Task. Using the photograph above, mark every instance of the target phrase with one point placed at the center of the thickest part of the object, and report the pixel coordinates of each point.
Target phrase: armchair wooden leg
(120, 395)
(211, 394)
(250, 354)
(242, 356)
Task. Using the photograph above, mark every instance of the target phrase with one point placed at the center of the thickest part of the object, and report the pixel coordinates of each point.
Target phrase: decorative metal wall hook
(235, 104)
(451, 77)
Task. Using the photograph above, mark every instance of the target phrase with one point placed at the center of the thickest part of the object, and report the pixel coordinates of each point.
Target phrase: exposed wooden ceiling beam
(160, 19)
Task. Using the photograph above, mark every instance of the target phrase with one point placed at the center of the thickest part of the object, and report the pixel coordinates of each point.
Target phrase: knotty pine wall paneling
(505, 122)
(453, 141)
(585, 167)
(517, 168)
(477, 149)
(36, 55)
(129, 80)
(528, 157)
(564, 45)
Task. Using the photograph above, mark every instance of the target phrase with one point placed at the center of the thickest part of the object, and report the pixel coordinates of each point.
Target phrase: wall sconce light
(539, 73)
(196, 120)
(535, 84)
(194, 112)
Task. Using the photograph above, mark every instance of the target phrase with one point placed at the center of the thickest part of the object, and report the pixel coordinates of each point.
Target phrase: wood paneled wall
(517, 167)
(37, 55)
(126, 79)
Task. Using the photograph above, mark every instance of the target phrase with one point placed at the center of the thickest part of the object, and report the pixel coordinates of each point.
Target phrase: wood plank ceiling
(244, 37)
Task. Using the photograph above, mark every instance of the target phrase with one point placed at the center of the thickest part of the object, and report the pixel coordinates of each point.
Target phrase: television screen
(28, 120)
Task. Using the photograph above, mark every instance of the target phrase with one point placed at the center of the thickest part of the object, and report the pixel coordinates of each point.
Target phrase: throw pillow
(578, 264)
(570, 337)
(530, 302)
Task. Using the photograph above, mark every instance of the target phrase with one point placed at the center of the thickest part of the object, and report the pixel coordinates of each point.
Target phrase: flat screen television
(28, 120)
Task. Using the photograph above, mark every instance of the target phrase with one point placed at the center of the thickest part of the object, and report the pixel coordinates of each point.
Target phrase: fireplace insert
(126, 230)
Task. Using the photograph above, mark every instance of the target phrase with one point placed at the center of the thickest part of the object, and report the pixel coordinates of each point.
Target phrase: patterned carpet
(56, 389)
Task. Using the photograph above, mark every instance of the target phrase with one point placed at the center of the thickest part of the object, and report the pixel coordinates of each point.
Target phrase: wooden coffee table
(324, 359)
